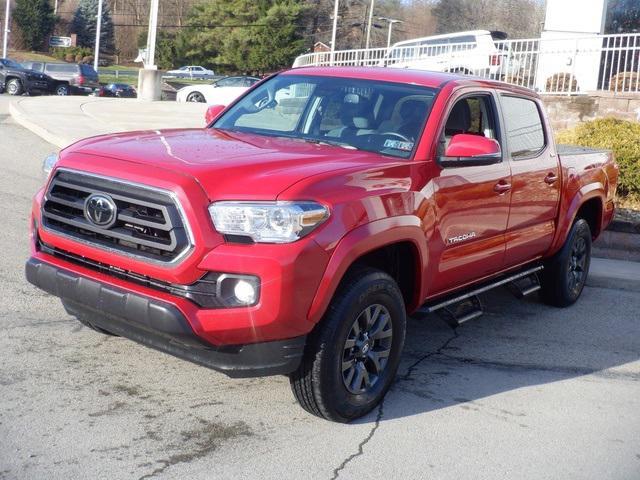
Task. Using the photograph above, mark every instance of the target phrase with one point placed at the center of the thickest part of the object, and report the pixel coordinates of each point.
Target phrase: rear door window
(61, 68)
(523, 125)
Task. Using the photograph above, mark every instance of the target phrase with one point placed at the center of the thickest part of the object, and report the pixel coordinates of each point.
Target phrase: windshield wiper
(330, 142)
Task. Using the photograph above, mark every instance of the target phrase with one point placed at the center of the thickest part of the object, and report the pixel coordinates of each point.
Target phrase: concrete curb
(614, 274)
(20, 117)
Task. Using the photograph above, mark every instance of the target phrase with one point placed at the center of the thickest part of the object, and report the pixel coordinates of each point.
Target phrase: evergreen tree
(36, 20)
(244, 35)
(84, 25)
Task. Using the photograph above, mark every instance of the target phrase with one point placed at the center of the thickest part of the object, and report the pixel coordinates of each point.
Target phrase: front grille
(148, 223)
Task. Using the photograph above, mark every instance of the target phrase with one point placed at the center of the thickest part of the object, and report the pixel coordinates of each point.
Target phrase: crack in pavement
(403, 378)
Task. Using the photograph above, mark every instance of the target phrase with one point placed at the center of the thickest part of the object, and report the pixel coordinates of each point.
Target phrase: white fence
(548, 65)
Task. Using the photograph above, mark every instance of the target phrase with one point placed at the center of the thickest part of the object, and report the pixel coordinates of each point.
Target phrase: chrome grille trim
(171, 221)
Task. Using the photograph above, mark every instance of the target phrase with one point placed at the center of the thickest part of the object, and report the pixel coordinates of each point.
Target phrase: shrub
(70, 54)
(621, 136)
(562, 82)
(624, 82)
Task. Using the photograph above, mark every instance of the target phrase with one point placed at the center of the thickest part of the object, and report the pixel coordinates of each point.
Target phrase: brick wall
(566, 111)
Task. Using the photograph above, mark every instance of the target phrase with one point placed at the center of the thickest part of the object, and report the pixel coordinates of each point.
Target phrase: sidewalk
(64, 120)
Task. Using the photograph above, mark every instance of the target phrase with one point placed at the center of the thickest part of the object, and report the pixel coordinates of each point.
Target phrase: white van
(476, 52)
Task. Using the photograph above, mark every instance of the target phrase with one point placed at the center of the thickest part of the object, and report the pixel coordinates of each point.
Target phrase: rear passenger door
(535, 179)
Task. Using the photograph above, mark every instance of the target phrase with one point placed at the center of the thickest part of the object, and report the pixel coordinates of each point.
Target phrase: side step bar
(462, 308)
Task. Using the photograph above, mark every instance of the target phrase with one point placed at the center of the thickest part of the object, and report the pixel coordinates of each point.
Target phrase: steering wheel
(396, 134)
(263, 102)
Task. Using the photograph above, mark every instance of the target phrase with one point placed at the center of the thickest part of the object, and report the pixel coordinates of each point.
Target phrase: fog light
(244, 292)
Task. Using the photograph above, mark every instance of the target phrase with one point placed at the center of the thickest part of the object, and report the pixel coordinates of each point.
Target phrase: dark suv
(70, 78)
(16, 79)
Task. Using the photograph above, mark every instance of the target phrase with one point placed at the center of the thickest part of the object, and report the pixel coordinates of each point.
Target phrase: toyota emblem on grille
(100, 210)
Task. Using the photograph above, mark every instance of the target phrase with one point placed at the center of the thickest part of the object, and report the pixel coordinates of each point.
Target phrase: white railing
(549, 65)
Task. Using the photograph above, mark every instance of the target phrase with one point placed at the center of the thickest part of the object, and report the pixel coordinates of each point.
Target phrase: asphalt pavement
(525, 392)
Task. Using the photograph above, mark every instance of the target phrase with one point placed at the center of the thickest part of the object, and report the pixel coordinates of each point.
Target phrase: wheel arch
(587, 202)
(395, 245)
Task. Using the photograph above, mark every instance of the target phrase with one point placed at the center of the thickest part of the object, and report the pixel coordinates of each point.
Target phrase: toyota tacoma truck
(295, 233)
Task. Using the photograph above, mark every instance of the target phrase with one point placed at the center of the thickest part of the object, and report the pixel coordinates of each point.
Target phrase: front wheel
(353, 354)
(14, 87)
(566, 273)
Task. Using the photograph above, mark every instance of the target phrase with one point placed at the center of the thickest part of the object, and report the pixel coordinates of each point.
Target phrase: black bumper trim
(159, 325)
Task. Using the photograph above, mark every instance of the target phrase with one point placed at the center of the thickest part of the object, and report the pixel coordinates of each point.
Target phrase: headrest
(460, 118)
(361, 122)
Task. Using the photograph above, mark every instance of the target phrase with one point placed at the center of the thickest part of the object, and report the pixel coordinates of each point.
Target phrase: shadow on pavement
(515, 344)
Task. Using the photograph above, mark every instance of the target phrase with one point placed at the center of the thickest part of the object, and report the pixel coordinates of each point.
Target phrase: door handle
(502, 187)
(551, 178)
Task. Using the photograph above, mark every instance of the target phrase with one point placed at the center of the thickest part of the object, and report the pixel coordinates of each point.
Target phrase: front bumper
(159, 325)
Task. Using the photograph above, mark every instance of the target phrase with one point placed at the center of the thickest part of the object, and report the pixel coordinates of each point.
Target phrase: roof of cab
(423, 78)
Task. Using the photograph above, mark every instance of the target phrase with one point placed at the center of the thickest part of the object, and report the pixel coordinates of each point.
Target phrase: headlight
(49, 162)
(268, 222)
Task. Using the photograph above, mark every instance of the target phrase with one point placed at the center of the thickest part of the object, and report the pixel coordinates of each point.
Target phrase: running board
(462, 308)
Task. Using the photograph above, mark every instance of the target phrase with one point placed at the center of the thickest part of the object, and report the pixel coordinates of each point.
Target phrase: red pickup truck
(295, 233)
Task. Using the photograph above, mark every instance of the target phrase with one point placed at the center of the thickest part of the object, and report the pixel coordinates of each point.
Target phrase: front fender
(364, 239)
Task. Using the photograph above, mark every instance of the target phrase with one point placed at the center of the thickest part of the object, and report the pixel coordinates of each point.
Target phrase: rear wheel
(14, 87)
(352, 356)
(566, 273)
(195, 97)
(62, 89)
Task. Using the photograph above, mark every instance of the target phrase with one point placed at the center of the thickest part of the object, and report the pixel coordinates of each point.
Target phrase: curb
(614, 274)
(20, 117)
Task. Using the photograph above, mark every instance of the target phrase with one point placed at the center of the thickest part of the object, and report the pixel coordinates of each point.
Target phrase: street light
(96, 54)
(5, 41)
(391, 21)
(335, 28)
(369, 24)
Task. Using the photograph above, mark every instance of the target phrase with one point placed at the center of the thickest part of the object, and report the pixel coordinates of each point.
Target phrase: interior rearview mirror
(212, 113)
(470, 150)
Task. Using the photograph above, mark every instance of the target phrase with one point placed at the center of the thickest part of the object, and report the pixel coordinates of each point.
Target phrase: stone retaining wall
(567, 111)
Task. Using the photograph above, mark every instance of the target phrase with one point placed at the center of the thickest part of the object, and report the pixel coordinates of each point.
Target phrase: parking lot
(526, 391)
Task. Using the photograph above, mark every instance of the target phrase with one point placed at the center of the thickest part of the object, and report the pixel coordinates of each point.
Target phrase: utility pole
(335, 29)
(5, 41)
(151, 36)
(96, 54)
(391, 21)
(369, 24)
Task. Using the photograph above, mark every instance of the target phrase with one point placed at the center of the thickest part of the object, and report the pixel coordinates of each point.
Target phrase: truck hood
(228, 165)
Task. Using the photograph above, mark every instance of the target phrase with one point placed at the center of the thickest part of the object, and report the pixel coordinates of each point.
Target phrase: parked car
(190, 71)
(294, 236)
(120, 90)
(70, 78)
(476, 52)
(222, 92)
(15, 79)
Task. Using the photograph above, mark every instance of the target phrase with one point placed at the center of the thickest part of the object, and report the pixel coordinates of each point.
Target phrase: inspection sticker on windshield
(398, 145)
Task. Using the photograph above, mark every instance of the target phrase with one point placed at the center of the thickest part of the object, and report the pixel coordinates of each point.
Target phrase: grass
(20, 56)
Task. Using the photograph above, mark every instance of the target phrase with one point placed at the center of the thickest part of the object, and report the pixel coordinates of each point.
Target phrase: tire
(565, 274)
(62, 89)
(196, 97)
(331, 380)
(14, 87)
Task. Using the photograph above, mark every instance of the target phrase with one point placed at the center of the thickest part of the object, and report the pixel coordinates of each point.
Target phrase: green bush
(71, 53)
(621, 136)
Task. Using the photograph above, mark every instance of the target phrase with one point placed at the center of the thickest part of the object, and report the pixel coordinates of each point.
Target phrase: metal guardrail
(563, 65)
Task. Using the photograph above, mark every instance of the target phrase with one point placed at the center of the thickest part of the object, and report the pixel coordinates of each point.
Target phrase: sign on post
(64, 42)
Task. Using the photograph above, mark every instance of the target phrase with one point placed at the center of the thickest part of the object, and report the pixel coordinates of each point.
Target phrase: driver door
(471, 202)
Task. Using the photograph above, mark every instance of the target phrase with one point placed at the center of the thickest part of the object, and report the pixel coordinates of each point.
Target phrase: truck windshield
(376, 116)
(10, 63)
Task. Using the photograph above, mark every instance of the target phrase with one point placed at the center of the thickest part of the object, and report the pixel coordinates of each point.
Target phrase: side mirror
(212, 113)
(466, 150)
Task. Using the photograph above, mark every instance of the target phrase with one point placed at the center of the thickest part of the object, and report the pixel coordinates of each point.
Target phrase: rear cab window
(523, 126)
